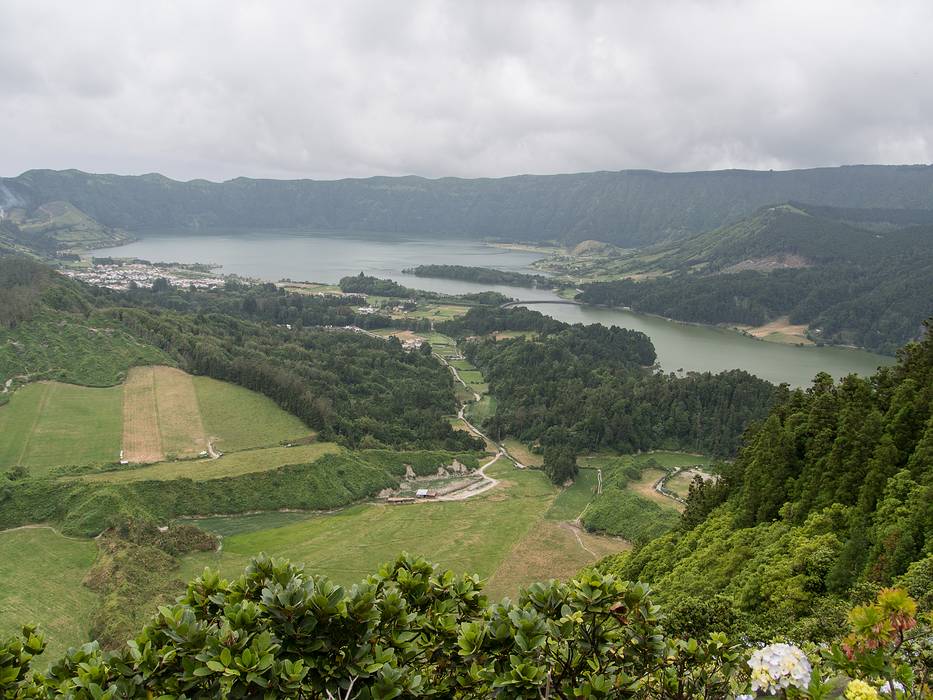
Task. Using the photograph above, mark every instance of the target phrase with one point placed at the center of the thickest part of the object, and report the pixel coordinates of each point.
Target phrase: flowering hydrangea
(886, 688)
(860, 690)
(778, 667)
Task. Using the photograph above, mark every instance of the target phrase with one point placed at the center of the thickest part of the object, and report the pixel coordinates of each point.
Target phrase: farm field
(477, 535)
(644, 487)
(551, 549)
(158, 412)
(230, 464)
(41, 576)
(237, 418)
(434, 312)
(161, 416)
(228, 525)
(49, 424)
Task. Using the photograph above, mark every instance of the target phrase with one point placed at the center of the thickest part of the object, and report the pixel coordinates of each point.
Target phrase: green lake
(326, 257)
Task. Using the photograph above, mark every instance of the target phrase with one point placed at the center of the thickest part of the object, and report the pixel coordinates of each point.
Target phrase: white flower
(777, 667)
(885, 689)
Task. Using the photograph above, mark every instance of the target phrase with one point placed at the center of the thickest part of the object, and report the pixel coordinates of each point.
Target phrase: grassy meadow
(237, 418)
(41, 575)
(48, 424)
(158, 413)
(477, 535)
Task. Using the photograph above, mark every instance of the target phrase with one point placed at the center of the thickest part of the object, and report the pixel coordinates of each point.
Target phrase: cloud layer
(217, 89)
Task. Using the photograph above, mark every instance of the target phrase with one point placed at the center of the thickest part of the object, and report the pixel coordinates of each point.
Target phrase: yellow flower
(860, 690)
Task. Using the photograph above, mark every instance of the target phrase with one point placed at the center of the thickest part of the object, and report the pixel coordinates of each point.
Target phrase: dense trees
(364, 284)
(832, 493)
(411, 630)
(879, 308)
(588, 387)
(482, 275)
(346, 385)
(851, 285)
(560, 464)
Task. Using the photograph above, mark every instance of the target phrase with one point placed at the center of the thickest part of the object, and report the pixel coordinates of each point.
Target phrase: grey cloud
(296, 89)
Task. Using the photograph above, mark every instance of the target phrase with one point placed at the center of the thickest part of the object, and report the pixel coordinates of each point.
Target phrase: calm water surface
(320, 257)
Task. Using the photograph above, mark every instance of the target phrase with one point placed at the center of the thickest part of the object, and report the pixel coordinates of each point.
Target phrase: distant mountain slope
(628, 208)
(871, 288)
(793, 235)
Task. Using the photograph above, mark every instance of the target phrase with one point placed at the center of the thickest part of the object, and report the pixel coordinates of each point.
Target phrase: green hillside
(848, 285)
(830, 498)
(628, 208)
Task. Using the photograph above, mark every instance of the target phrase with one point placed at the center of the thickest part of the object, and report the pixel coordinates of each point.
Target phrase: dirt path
(476, 489)
(43, 527)
(575, 529)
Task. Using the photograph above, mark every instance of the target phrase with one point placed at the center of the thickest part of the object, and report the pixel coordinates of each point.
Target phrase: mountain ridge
(627, 208)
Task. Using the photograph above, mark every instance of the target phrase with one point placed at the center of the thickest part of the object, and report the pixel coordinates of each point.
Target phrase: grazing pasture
(48, 424)
(41, 575)
(236, 418)
(479, 534)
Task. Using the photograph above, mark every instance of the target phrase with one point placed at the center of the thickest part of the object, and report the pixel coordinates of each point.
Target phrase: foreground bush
(412, 630)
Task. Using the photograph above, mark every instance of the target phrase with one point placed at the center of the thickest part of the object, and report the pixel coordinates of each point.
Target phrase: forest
(354, 389)
(851, 285)
(482, 275)
(591, 387)
(829, 500)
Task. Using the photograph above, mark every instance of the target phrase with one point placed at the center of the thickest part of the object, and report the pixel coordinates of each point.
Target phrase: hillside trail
(44, 527)
(574, 527)
(502, 449)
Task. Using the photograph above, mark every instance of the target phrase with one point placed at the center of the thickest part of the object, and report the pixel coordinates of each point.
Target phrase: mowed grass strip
(180, 425)
(475, 535)
(142, 440)
(237, 418)
(18, 420)
(49, 424)
(41, 575)
(230, 464)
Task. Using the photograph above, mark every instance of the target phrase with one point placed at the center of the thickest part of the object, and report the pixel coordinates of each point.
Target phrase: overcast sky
(217, 89)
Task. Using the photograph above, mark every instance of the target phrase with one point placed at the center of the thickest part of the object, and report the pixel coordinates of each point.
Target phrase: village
(122, 275)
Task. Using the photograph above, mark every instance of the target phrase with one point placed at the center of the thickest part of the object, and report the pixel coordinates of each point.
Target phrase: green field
(476, 535)
(473, 376)
(41, 576)
(45, 425)
(48, 424)
(228, 525)
(482, 410)
(573, 499)
(230, 464)
(238, 418)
